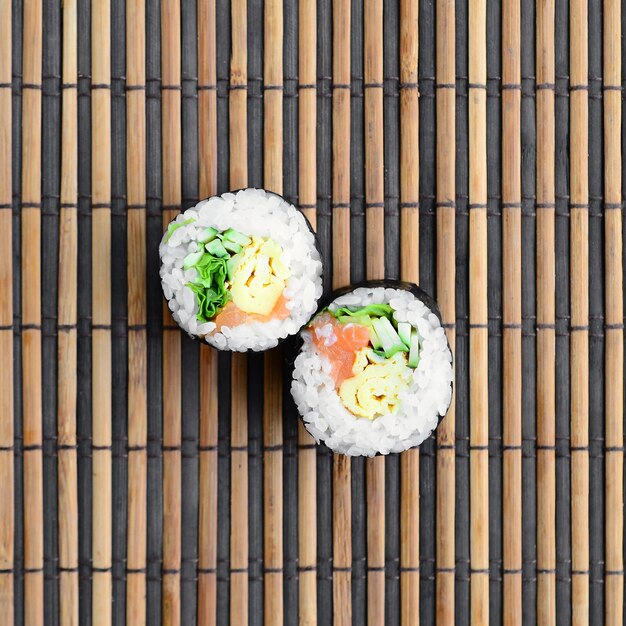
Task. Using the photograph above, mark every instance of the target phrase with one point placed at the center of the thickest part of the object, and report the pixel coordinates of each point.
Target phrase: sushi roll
(241, 271)
(374, 373)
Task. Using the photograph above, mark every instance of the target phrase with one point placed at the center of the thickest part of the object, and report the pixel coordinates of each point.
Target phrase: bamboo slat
(137, 318)
(207, 142)
(272, 406)
(239, 365)
(307, 197)
(445, 202)
(101, 312)
(511, 312)
(172, 428)
(546, 317)
(375, 268)
(614, 317)
(31, 314)
(7, 504)
(409, 271)
(579, 313)
(478, 317)
(67, 319)
(342, 502)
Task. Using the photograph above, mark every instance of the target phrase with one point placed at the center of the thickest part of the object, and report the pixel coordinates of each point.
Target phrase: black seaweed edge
(316, 243)
(387, 283)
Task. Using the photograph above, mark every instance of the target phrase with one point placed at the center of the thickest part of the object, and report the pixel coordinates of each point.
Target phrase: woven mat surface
(473, 147)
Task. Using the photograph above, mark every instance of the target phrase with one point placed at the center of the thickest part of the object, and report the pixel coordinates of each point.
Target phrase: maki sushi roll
(374, 374)
(242, 270)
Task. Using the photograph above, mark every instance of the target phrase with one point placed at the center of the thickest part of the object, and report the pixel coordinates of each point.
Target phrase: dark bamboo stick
(307, 196)
(172, 433)
(478, 317)
(445, 202)
(546, 403)
(31, 314)
(614, 317)
(272, 407)
(207, 141)
(137, 318)
(409, 270)
(512, 312)
(375, 268)
(67, 318)
(579, 313)
(7, 498)
(239, 366)
(342, 503)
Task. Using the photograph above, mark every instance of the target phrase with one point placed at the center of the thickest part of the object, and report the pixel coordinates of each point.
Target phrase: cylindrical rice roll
(374, 372)
(242, 271)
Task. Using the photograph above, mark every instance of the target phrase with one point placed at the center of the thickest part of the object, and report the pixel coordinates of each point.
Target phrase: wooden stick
(478, 316)
(67, 318)
(137, 318)
(239, 366)
(546, 404)
(579, 283)
(272, 407)
(511, 313)
(445, 200)
(101, 312)
(31, 315)
(579, 286)
(7, 498)
(207, 525)
(307, 196)
(172, 433)
(614, 318)
(375, 268)
(409, 271)
(342, 501)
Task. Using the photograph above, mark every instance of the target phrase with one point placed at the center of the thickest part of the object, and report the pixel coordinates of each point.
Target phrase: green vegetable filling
(387, 336)
(215, 263)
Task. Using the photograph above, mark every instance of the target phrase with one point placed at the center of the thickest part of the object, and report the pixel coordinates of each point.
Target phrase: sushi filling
(230, 266)
(372, 356)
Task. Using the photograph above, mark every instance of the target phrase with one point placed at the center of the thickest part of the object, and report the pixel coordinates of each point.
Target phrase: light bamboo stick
(375, 268)
(172, 430)
(342, 502)
(409, 270)
(272, 406)
(7, 500)
(511, 312)
(307, 196)
(239, 552)
(31, 313)
(207, 525)
(579, 286)
(478, 316)
(137, 318)
(101, 312)
(445, 202)
(614, 317)
(546, 404)
(67, 318)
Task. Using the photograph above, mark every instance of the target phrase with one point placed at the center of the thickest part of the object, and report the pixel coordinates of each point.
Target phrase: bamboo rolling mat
(473, 147)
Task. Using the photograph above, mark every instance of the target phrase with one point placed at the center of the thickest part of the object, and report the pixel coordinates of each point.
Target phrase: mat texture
(473, 147)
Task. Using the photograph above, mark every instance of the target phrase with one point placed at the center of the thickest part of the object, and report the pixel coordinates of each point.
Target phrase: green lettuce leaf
(362, 315)
(210, 286)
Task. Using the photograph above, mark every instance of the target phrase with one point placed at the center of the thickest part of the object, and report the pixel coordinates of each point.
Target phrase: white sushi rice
(253, 212)
(421, 405)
